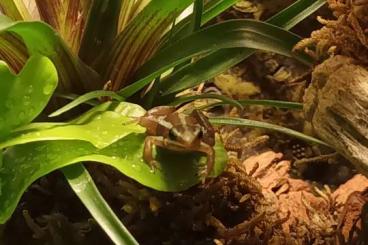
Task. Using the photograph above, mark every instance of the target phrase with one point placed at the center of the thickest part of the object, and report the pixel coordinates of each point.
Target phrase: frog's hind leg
(207, 129)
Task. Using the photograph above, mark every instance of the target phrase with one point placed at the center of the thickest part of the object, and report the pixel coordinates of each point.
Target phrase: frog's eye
(172, 135)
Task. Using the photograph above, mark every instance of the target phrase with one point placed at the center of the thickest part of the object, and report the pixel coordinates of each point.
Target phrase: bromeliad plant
(115, 49)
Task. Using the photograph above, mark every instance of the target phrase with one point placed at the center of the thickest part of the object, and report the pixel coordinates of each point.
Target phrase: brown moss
(346, 35)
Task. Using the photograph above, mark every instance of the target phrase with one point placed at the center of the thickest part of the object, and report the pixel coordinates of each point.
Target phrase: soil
(275, 190)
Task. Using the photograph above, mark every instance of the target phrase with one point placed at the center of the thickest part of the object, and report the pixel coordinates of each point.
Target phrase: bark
(336, 105)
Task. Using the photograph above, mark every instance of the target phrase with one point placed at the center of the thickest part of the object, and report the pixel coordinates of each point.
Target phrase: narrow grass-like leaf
(14, 9)
(101, 29)
(125, 15)
(195, 26)
(211, 9)
(273, 103)
(229, 34)
(197, 15)
(136, 43)
(203, 69)
(84, 99)
(71, 96)
(129, 10)
(292, 15)
(84, 187)
(25, 95)
(41, 39)
(223, 98)
(257, 124)
(219, 61)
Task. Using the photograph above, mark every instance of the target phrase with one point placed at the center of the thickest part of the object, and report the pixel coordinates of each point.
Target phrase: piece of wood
(336, 106)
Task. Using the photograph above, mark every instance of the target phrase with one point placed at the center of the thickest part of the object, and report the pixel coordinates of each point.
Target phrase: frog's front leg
(147, 152)
(210, 153)
(176, 146)
(161, 142)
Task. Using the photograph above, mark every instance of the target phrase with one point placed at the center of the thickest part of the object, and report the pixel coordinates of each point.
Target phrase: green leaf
(256, 124)
(138, 41)
(273, 103)
(217, 62)
(292, 15)
(103, 13)
(229, 34)
(101, 130)
(41, 39)
(84, 99)
(14, 9)
(223, 98)
(83, 185)
(215, 8)
(205, 68)
(34, 160)
(211, 10)
(195, 25)
(197, 15)
(25, 95)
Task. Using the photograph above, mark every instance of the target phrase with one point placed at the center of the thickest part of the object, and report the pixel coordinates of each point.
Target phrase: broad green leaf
(219, 61)
(41, 39)
(257, 124)
(101, 28)
(229, 34)
(23, 164)
(84, 187)
(25, 95)
(101, 130)
(14, 9)
(122, 108)
(136, 43)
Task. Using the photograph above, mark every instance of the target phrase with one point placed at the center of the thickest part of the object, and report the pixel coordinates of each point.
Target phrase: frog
(170, 129)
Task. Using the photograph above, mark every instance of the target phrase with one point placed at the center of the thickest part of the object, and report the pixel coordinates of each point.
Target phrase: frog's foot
(154, 165)
(205, 171)
(202, 173)
(147, 153)
(210, 153)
